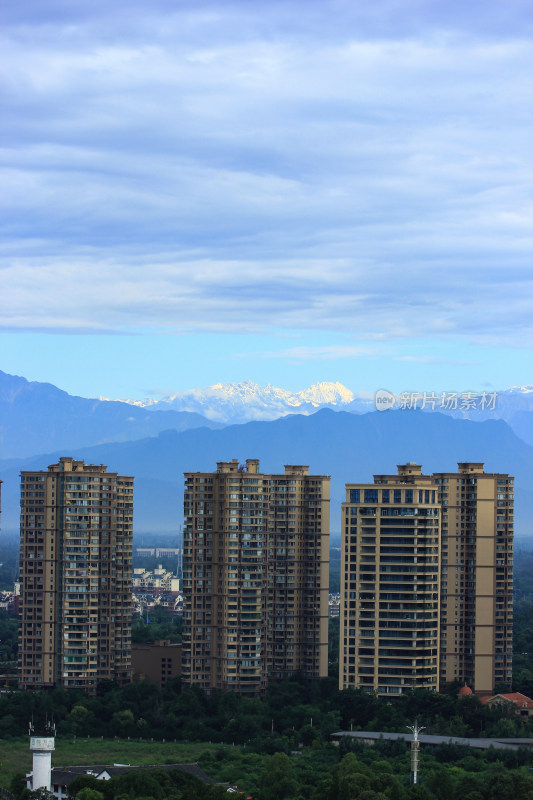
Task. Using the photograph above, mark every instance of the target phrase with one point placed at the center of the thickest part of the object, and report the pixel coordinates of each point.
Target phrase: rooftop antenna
(415, 749)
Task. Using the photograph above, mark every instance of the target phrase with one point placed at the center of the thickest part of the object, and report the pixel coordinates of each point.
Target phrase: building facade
(476, 625)
(390, 584)
(157, 580)
(255, 576)
(426, 581)
(76, 535)
(156, 662)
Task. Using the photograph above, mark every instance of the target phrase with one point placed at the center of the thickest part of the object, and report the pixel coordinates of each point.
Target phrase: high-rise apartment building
(426, 580)
(255, 576)
(76, 531)
(390, 584)
(476, 625)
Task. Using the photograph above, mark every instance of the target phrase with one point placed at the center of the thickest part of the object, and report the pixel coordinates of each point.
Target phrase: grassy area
(15, 755)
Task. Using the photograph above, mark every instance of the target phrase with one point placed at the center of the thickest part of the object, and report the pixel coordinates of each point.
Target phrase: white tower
(42, 744)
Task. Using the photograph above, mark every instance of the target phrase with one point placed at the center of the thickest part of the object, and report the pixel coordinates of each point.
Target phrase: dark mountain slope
(39, 418)
(340, 444)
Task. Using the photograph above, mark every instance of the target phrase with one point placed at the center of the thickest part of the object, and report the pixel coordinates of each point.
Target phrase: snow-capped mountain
(229, 403)
(38, 417)
(325, 393)
(242, 402)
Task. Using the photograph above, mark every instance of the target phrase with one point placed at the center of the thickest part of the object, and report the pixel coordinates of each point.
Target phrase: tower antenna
(415, 749)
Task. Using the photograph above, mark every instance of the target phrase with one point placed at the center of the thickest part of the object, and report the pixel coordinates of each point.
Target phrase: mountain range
(39, 417)
(246, 401)
(242, 402)
(347, 446)
(157, 442)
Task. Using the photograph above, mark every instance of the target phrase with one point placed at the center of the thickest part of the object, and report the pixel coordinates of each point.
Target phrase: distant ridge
(39, 417)
(348, 447)
(230, 403)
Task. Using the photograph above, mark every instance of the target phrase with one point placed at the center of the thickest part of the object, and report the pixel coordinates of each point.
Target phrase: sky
(287, 192)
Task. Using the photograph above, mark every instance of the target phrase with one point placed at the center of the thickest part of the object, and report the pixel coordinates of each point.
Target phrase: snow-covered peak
(528, 389)
(325, 393)
(231, 402)
(247, 400)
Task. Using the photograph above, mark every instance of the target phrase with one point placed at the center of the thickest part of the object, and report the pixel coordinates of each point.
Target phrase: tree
(356, 707)
(354, 777)
(8, 637)
(353, 785)
(499, 787)
(81, 782)
(419, 793)
(79, 720)
(123, 722)
(89, 794)
(501, 688)
(524, 682)
(440, 782)
(278, 781)
(17, 784)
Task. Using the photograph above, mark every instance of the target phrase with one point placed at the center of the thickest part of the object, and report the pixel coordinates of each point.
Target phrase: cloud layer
(217, 167)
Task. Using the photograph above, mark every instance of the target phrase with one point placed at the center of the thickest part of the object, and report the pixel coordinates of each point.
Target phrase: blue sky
(287, 192)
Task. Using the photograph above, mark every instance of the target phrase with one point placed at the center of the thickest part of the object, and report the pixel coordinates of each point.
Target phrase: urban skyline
(426, 578)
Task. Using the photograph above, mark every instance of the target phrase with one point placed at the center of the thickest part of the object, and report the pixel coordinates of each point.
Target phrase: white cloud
(318, 353)
(318, 166)
(434, 360)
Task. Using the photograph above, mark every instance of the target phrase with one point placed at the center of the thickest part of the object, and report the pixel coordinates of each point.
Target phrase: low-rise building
(156, 662)
(516, 702)
(155, 580)
(334, 605)
(61, 777)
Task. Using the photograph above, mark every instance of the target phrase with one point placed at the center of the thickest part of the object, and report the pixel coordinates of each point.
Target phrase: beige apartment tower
(76, 531)
(476, 625)
(426, 581)
(390, 584)
(255, 576)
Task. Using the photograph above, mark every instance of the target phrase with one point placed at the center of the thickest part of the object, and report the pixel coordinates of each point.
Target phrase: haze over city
(208, 192)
